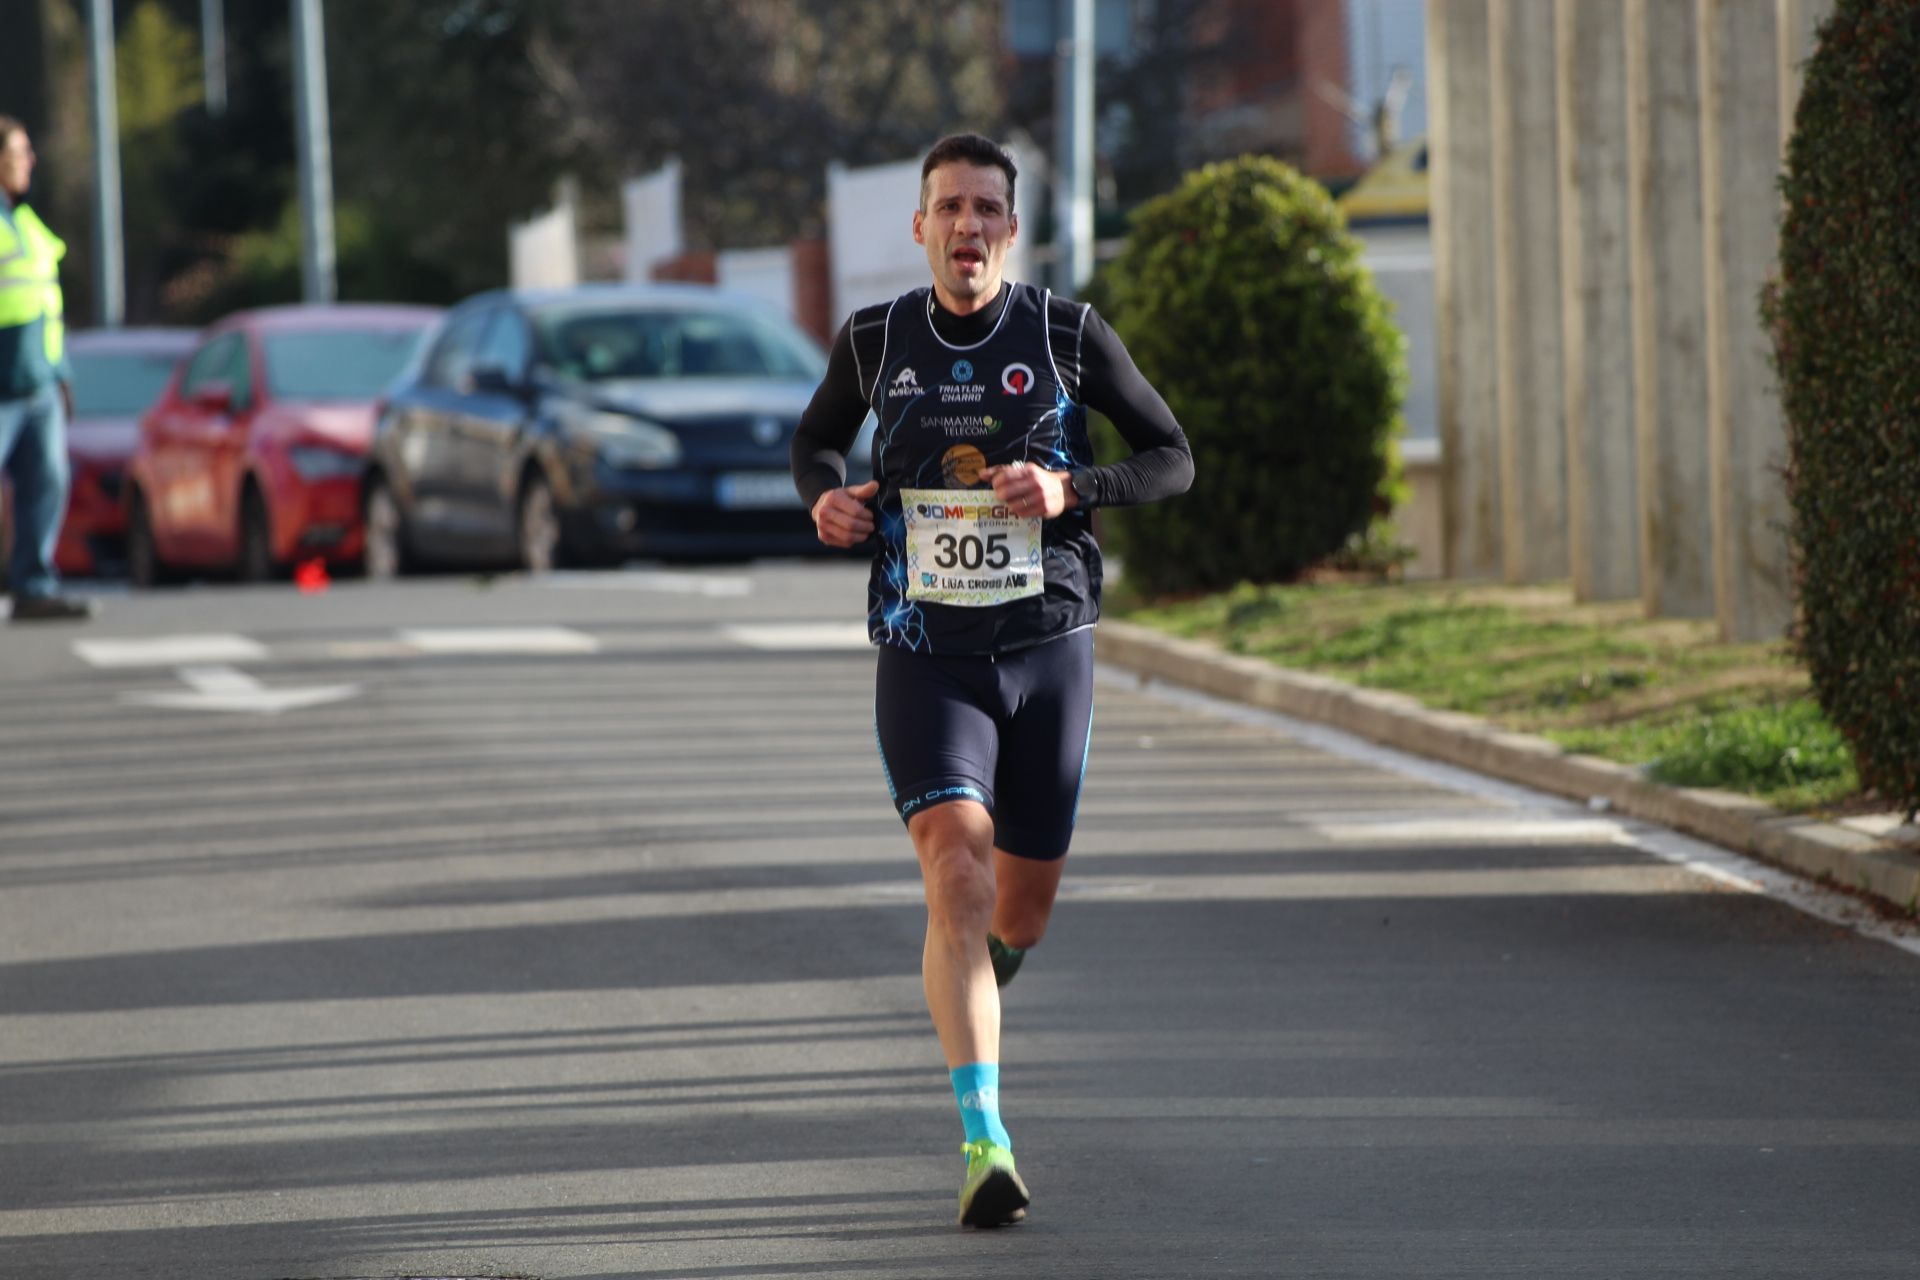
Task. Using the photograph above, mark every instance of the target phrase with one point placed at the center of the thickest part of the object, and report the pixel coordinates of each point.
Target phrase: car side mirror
(491, 379)
(214, 397)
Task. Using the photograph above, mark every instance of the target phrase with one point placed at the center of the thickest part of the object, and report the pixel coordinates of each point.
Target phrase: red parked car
(250, 460)
(117, 373)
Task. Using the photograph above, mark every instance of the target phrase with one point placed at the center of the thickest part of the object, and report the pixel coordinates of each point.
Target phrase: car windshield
(337, 364)
(604, 344)
(118, 384)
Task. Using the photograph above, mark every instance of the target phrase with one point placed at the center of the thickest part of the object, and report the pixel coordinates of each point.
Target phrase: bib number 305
(964, 548)
(965, 551)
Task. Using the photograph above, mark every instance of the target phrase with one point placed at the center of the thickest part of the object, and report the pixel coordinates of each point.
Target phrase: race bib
(966, 548)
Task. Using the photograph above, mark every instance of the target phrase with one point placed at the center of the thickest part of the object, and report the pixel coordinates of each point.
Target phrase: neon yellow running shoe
(992, 1195)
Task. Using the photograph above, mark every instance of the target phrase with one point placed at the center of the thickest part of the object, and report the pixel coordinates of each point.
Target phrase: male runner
(984, 592)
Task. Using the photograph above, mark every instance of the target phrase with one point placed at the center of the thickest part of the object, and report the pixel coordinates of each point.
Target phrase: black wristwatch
(1086, 486)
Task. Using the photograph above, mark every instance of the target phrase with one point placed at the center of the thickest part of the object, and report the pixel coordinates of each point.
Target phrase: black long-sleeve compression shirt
(1098, 371)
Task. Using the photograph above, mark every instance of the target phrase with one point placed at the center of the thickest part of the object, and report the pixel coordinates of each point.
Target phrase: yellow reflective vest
(30, 277)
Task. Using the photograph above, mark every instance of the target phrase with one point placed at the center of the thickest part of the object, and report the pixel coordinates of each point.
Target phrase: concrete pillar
(1799, 25)
(1596, 291)
(1460, 174)
(1669, 309)
(1526, 252)
(1740, 160)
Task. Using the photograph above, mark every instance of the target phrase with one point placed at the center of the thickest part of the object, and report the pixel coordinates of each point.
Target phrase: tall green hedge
(1242, 298)
(1845, 318)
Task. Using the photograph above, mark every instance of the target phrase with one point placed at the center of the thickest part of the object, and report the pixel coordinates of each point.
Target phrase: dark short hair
(968, 148)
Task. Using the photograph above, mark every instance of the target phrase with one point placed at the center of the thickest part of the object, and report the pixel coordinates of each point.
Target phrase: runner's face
(16, 164)
(966, 227)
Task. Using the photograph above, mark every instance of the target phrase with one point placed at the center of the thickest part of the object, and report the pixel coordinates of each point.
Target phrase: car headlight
(316, 462)
(629, 443)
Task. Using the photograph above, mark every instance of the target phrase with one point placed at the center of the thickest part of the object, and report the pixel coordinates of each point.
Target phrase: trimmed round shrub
(1845, 318)
(1243, 300)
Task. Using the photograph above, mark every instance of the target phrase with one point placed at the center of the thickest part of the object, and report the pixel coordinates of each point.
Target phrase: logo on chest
(961, 466)
(963, 426)
(963, 389)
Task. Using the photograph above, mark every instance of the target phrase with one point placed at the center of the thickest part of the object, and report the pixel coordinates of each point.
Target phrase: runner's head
(966, 219)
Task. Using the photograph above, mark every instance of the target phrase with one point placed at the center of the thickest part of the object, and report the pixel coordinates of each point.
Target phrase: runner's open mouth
(968, 257)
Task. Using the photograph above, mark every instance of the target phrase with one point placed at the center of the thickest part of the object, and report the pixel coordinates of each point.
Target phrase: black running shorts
(1009, 730)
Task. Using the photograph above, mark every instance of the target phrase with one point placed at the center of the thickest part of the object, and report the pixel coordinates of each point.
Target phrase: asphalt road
(563, 929)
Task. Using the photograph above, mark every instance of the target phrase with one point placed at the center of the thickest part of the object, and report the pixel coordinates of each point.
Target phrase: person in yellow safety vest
(35, 396)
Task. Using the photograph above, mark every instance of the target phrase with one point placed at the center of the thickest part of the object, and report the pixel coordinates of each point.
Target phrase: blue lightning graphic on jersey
(890, 618)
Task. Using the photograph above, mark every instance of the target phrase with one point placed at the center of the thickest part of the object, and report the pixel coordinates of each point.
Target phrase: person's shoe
(1006, 960)
(51, 609)
(993, 1195)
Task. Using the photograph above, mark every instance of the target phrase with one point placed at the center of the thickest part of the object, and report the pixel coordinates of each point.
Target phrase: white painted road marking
(169, 651)
(800, 635)
(225, 689)
(499, 640)
(683, 584)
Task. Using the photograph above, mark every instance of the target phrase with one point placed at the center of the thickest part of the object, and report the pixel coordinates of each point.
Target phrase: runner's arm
(1162, 462)
(830, 424)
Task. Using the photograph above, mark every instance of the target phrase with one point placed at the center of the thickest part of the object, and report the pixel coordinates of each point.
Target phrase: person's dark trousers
(33, 449)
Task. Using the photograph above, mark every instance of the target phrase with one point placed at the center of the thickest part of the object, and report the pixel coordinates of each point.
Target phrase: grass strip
(1664, 695)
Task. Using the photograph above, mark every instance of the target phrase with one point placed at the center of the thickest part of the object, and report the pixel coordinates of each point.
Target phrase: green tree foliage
(1243, 299)
(449, 123)
(157, 75)
(1845, 316)
(452, 119)
(757, 97)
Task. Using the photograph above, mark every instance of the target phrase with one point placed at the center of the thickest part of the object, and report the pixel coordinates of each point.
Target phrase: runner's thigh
(1043, 746)
(937, 736)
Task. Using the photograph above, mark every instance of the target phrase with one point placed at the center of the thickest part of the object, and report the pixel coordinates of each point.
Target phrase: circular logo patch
(961, 466)
(1015, 379)
(963, 371)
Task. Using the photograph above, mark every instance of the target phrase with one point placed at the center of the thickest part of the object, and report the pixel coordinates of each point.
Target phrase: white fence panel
(652, 208)
(766, 274)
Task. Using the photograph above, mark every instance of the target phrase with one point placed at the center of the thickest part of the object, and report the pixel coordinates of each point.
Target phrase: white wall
(652, 208)
(1401, 259)
(544, 251)
(766, 274)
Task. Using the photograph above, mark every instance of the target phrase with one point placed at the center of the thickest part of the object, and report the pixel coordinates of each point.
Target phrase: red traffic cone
(311, 576)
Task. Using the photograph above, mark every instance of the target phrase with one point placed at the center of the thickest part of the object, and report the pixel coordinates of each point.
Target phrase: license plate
(755, 490)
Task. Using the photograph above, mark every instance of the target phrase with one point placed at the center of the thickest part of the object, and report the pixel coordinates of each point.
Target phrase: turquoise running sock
(976, 1087)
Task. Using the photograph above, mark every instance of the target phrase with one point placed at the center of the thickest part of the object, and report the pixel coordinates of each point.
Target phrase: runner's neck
(968, 329)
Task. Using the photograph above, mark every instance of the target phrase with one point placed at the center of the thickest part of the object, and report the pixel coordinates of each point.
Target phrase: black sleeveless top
(947, 411)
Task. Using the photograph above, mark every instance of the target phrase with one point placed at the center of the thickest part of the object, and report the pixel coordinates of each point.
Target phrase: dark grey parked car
(593, 424)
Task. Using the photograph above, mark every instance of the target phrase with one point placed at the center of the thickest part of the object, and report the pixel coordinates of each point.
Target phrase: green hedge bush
(1845, 319)
(1242, 298)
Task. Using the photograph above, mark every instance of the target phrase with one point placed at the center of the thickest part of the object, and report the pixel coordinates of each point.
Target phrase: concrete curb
(1823, 850)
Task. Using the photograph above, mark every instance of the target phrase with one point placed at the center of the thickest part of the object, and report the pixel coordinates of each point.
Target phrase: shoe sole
(1000, 1200)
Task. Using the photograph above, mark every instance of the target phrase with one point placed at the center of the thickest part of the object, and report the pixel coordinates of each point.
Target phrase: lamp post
(315, 152)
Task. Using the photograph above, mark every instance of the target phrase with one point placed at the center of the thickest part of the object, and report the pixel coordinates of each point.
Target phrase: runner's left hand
(1031, 490)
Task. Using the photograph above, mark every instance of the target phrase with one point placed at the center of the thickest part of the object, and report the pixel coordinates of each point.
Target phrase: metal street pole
(1073, 167)
(213, 55)
(315, 151)
(109, 259)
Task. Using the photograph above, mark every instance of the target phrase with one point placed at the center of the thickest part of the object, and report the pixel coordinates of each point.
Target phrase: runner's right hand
(841, 517)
